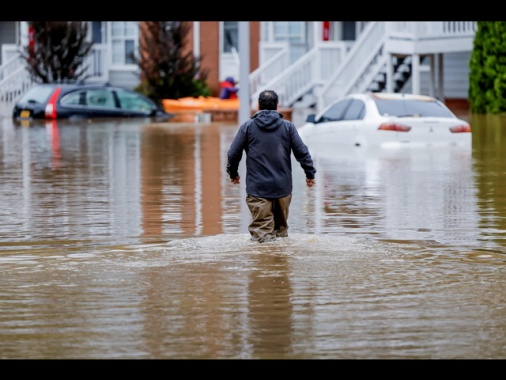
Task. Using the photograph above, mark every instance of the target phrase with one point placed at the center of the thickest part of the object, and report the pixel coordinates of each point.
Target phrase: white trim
(228, 62)
(23, 33)
(196, 38)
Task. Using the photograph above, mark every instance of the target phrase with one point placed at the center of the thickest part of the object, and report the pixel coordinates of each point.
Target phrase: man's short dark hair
(268, 100)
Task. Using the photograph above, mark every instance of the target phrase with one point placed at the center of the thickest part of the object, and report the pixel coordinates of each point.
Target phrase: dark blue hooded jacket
(268, 141)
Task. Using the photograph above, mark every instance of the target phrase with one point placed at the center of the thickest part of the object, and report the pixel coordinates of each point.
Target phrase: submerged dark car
(85, 101)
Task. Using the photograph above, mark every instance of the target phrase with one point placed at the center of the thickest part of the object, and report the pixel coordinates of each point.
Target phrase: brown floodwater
(126, 240)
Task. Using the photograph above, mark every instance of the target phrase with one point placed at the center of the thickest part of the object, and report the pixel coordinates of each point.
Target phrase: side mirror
(311, 118)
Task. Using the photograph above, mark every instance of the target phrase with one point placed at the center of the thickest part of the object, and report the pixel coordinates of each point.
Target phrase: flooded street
(126, 240)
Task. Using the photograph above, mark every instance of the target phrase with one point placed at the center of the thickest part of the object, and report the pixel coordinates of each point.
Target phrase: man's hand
(235, 180)
(310, 182)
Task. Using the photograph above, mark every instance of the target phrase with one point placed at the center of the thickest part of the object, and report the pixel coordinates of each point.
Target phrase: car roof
(374, 96)
(392, 96)
(77, 85)
(71, 87)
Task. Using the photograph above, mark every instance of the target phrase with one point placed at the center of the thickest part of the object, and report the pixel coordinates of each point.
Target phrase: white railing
(428, 30)
(272, 68)
(14, 80)
(8, 52)
(11, 89)
(359, 58)
(310, 70)
(10, 66)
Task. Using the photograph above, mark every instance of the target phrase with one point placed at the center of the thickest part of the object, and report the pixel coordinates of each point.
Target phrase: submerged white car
(386, 120)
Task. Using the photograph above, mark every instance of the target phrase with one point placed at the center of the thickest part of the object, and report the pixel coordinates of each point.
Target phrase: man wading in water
(268, 141)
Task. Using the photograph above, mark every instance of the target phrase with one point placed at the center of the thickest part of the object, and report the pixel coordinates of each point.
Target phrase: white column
(390, 74)
(196, 38)
(23, 35)
(317, 32)
(244, 71)
(432, 81)
(416, 73)
(244, 109)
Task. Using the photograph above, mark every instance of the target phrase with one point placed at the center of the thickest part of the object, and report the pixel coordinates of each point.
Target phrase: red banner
(326, 30)
(31, 40)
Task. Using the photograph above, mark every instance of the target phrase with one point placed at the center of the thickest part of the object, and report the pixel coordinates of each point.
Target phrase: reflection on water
(121, 239)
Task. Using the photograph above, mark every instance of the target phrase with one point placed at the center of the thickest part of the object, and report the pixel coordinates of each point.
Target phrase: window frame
(119, 34)
(229, 28)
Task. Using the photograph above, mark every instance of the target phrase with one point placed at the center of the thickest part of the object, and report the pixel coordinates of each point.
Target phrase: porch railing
(309, 71)
(278, 62)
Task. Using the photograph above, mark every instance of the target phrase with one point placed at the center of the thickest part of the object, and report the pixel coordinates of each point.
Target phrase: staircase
(402, 72)
(14, 81)
(301, 78)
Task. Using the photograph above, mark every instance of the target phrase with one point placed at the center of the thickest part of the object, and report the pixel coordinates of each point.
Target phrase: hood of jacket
(269, 120)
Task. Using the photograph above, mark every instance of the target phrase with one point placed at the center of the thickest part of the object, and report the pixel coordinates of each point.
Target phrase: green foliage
(167, 70)
(59, 51)
(487, 78)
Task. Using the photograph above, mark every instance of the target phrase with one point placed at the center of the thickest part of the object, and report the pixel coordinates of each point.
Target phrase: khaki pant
(269, 217)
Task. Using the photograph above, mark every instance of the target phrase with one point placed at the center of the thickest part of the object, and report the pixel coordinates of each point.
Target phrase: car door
(352, 123)
(133, 104)
(100, 102)
(332, 126)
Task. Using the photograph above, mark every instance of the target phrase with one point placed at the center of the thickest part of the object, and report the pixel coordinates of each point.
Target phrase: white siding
(124, 78)
(456, 76)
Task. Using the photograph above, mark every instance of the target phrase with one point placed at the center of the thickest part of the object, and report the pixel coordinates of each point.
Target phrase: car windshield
(407, 107)
(39, 94)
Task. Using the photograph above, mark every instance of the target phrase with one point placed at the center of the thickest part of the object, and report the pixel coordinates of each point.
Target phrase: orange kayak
(200, 104)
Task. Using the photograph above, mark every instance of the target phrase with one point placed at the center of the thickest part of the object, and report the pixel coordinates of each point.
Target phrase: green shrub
(487, 78)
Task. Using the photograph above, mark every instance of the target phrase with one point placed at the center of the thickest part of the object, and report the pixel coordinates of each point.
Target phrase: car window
(100, 98)
(74, 98)
(406, 107)
(335, 112)
(134, 102)
(355, 110)
(39, 94)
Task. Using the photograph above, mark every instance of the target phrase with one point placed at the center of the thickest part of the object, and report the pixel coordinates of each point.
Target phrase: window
(349, 33)
(73, 99)
(134, 102)
(96, 32)
(100, 98)
(230, 36)
(124, 42)
(336, 112)
(407, 107)
(355, 110)
(292, 31)
(38, 94)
